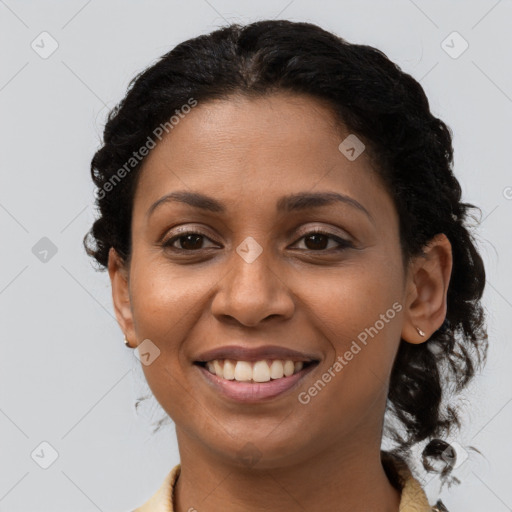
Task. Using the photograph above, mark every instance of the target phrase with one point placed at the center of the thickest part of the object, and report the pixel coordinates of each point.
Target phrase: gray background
(66, 377)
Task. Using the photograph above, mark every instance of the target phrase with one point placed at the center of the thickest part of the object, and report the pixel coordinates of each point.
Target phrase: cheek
(363, 333)
(168, 304)
(165, 300)
(351, 298)
(165, 309)
(357, 310)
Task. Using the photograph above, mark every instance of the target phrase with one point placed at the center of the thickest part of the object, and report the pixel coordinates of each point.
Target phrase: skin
(248, 153)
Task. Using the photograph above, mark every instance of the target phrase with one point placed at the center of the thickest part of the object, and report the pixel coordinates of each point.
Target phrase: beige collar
(413, 498)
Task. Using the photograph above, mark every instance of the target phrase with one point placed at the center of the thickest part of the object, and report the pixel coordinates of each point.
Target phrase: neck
(340, 479)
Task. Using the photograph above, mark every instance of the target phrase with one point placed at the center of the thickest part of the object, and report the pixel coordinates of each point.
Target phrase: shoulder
(413, 497)
(162, 500)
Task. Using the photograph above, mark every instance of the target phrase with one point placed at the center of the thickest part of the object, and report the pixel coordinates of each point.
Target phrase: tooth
(288, 368)
(218, 368)
(261, 372)
(243, 371)
(276, 369)
(229, 369)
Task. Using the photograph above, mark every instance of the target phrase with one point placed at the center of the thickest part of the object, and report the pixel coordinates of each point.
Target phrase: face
(251, 272)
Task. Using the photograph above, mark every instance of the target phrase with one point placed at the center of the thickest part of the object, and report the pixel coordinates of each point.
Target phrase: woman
(288, 254)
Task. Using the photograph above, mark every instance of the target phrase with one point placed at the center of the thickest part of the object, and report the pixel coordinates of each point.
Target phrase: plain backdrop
(67, 382)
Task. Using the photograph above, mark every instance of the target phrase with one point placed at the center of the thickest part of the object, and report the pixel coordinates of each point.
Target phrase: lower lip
(250, 392)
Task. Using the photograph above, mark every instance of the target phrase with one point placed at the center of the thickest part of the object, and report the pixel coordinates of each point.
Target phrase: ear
(427, 284)
(119, 278)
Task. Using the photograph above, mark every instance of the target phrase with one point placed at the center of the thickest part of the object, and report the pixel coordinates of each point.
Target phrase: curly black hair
(409, 147)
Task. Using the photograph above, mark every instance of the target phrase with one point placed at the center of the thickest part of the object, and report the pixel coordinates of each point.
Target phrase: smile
(258, 371)
(247, 381)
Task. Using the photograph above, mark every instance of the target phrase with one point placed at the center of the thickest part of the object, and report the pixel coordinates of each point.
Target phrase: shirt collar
(413, 497)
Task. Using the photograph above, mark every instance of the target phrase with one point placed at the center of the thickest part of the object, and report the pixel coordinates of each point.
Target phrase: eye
(192, 241)
(318, 239)
(189, 240)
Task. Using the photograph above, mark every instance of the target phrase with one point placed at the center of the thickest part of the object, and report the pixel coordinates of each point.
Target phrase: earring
(420, 332)
(126, 342)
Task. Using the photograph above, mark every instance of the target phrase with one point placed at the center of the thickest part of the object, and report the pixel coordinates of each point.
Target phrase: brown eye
(318, 241)
(189, 241)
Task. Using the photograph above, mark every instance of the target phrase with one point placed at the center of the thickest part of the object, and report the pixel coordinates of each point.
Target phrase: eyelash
(344, 244)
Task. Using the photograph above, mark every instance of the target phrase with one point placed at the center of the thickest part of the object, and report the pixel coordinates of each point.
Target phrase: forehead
(240, 148)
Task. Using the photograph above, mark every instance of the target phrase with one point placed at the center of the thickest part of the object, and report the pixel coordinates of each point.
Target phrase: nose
(252, 291)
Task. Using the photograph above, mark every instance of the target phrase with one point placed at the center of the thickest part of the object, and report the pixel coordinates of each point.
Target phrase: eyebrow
(290, 203)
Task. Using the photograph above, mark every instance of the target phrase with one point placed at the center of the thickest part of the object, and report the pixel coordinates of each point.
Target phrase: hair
(413, 154)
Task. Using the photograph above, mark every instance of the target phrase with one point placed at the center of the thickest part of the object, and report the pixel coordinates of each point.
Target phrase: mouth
(254, 375)
(264, 370)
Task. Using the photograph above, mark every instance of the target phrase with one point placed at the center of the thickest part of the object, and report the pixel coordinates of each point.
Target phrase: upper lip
(240, 353)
